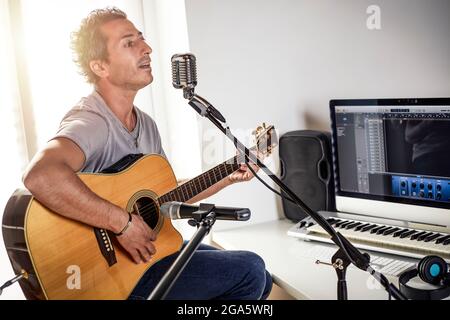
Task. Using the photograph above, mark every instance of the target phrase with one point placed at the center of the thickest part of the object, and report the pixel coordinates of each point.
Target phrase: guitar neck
(202, 182)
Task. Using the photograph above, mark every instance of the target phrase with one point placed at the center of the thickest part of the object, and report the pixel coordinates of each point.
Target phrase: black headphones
(431, 269)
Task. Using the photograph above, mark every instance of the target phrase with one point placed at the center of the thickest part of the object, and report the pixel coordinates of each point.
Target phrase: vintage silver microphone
(184, 76)
(184, 73)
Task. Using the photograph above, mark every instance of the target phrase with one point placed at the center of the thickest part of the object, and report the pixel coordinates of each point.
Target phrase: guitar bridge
(106, 247)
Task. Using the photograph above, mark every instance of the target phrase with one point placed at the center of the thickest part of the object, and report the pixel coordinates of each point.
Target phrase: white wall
(282, 61)
(165, 26)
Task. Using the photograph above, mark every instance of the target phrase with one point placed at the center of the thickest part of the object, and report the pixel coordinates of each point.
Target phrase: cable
(287, 198)
(330, 229)
(266, 185)
(23, 274)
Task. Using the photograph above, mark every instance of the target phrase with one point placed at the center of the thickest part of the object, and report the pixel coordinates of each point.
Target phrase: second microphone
(179, 210)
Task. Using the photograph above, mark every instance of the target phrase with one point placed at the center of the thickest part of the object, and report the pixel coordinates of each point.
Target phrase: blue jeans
(211, 274)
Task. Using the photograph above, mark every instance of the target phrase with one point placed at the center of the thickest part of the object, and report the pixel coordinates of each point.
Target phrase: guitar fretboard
(200, 183)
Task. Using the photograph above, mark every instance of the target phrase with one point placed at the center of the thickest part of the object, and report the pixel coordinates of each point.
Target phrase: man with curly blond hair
(103, 128)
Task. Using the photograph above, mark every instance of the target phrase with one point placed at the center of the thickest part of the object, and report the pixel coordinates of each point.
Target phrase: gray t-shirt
(103, 138)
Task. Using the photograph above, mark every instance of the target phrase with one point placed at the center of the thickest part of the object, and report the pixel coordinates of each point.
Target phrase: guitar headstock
(265, 139)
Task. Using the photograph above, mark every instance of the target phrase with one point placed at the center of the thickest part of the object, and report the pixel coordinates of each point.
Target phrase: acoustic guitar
(64, 259)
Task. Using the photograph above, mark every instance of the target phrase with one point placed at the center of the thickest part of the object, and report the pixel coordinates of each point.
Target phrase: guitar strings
(222, 169)
(149, 210)
(152, 208)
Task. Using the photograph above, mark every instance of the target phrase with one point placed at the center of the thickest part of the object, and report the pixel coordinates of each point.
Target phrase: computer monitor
(391, 158)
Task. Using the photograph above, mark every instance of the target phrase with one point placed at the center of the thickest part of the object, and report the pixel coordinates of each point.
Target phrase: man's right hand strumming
(137, 239)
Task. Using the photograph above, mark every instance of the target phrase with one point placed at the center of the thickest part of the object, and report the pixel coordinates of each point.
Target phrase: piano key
(361, 226)
(337, 225)
(389, 231)
(302, 224)
(346, 223)
(335, 221)
(415, 236)
(432, 237)
(446, 242)
(352, 225)
(380, 231)
(367, 228)
(397, 243)
(407, 234)
(398, 233)
(442, 239)
(376, 229)
(420, 238)
(331, 221)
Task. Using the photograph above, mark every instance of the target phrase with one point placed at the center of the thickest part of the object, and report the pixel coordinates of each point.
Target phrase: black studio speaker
(306, 168)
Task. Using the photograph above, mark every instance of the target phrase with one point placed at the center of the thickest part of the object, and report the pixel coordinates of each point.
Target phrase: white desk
(291, 268)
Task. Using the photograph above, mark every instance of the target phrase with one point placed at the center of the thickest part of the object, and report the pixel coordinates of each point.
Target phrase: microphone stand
(346, 254)
(203, 219)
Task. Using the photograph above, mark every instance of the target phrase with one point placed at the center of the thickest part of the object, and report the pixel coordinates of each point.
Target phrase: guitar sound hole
(148, 210)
